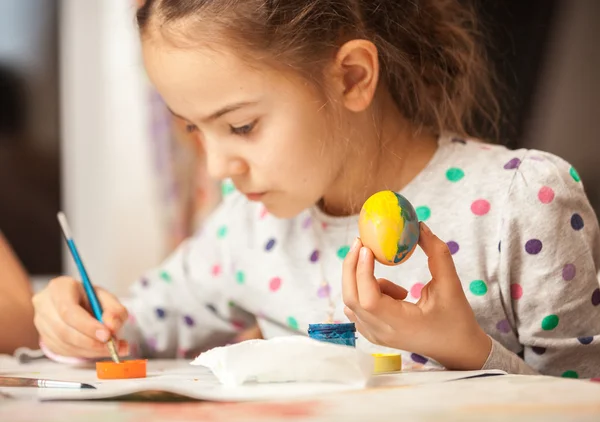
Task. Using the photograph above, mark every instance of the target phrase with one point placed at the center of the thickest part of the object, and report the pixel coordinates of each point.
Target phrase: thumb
(114, 314)
(440, 262)
(392, 289)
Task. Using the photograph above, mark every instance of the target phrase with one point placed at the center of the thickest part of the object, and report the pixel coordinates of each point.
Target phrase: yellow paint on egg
(388, 225)
(384, 212)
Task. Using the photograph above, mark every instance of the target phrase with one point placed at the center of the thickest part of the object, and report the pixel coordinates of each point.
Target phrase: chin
(284, 209)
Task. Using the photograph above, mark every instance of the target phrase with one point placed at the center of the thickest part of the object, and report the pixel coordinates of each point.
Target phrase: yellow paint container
(385, 362)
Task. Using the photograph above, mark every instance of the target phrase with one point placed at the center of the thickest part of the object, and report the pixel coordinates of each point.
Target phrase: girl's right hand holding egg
(66, 325)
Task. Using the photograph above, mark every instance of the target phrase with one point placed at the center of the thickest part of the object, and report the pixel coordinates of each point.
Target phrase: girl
(307, 107)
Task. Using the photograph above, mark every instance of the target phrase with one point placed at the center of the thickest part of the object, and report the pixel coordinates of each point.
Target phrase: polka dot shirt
(522, 233)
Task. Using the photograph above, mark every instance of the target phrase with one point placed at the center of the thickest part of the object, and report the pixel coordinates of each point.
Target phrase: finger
(441, 264)
(114, 314)
(392, 289)
(367, 333)
(349, 288)
(72, 340)
(66, 298)
(56, 344)
(369, 293)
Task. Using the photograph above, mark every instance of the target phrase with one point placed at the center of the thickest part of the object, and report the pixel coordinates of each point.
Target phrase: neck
(384, 156)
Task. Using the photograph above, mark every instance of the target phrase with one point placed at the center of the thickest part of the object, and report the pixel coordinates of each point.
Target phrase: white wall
(110, 194)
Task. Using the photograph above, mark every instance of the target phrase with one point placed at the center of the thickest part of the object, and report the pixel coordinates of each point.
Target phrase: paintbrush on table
(41, 383)
(87, 284)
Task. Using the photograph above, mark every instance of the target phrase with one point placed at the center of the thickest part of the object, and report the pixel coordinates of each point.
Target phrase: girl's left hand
(441, 325)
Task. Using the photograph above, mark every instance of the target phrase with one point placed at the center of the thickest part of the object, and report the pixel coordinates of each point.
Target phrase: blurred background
(82, 130)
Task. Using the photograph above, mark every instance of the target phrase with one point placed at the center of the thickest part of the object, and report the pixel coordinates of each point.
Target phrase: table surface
(506, 397)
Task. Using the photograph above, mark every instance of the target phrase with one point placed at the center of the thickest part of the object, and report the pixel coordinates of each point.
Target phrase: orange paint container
(126, 369)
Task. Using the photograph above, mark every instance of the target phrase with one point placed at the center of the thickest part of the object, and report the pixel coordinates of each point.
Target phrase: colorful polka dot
(459, 141)
(238, 325)
(516, 291)
(415, 290)
(343, 251)
(227, 188)
(546, 195)
(160, 313)
(596, 297)
(500, 246)
(453, 247)
(270, 244)
(423, 213)
(292, 323)
(504, 326)
(419, 359)
(307, 223)
(576, 222)
(585, 340)
(480, 207)
(275, 284)
(131, 319)
(212, 308)
(222, 232)
(215, 270)
(550, 322)
(165, 276)
(314, 256)
(454, 174)
(568, 272)
(570, 374)
(231, 304)
(144, 282)
(240, 277)
(324, 291)
(263, 213)
(533, 246)
(189, 321)
(512, 164)
(574, 174)
(152, 343)
(538, 350)
(478, 287)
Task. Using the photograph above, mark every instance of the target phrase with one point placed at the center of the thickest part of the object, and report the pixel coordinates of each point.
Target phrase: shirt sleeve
(182, 307)
(549, 258)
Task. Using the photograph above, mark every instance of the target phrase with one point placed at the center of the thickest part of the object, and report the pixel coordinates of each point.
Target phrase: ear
(356, 71)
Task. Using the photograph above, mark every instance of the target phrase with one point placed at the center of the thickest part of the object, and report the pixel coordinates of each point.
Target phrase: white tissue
(287, 359)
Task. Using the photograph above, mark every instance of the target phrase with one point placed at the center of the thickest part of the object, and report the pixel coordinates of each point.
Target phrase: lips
(253, 196)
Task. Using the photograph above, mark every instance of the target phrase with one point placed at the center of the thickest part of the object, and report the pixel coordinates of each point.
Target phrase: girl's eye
(242, 130)
(189, 128)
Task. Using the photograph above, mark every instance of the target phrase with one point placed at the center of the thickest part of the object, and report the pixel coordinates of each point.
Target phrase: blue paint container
(344, 334)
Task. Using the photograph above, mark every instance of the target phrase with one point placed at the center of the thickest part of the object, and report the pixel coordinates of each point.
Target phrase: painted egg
(388, 225)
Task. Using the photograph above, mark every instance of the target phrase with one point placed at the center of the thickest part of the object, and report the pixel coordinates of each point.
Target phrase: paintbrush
(41, 383)
(87, 284)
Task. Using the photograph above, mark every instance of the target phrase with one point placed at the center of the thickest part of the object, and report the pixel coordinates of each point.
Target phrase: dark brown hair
(430, 58)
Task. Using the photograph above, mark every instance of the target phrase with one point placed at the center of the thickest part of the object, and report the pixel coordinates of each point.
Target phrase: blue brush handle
(87, 284)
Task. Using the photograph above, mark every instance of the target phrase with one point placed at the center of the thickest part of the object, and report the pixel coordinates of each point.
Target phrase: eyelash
(241, 131)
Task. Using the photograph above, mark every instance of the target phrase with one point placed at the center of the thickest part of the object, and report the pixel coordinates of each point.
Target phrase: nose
(221, 165)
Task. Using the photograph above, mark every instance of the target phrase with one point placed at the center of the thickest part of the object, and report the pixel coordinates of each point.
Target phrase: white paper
(287, 359)
(196, 382)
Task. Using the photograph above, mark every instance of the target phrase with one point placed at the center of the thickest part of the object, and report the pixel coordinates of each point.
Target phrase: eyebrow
(219, 113)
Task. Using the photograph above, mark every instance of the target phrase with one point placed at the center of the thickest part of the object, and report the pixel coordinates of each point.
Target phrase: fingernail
(363, 254)
(102, 335)
(355, 244)
(425, 228)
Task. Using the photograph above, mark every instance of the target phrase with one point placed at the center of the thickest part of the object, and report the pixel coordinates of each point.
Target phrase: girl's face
(265, 129)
